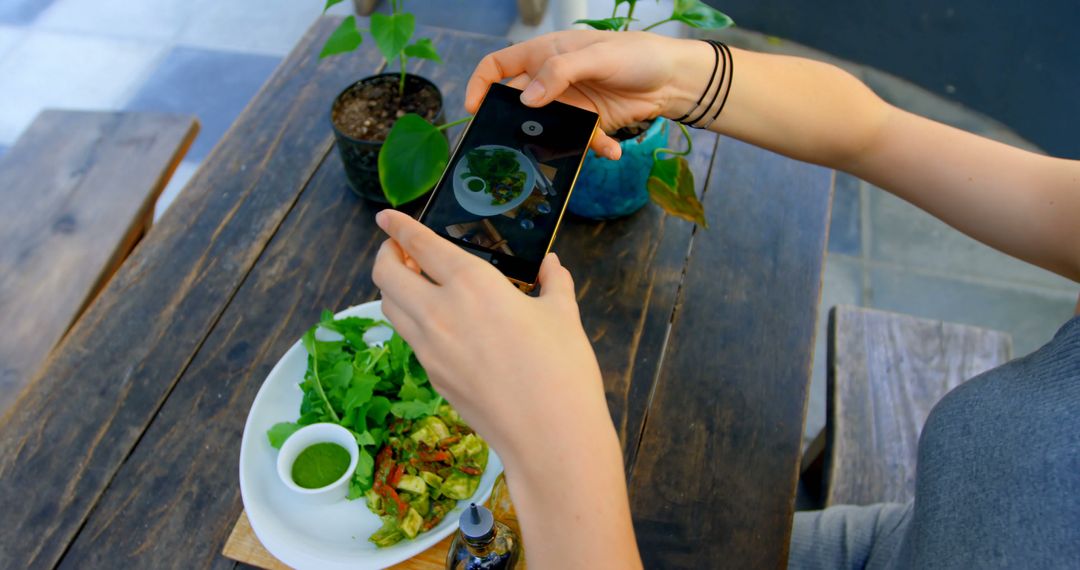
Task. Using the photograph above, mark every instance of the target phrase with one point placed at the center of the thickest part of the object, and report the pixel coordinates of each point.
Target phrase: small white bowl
(470, 179)
(311, 435)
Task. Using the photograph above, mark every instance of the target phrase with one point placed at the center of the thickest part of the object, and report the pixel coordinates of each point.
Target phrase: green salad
(500, 169)
(417, 457)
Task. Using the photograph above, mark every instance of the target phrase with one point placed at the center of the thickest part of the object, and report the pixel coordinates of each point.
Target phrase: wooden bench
(78, 190)
(886, 371)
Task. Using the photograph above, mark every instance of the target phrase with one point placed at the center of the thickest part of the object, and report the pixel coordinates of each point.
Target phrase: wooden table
(123, 453)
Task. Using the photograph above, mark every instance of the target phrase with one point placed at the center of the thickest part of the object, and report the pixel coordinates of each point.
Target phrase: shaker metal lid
(476, 522)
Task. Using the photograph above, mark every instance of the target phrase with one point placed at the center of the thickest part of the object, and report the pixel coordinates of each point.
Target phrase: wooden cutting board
(244, 546)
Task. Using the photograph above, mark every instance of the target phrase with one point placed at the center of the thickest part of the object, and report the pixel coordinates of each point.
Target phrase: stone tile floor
(208, 57)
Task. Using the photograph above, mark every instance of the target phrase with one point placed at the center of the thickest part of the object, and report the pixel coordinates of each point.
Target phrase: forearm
(1021, 203)
(808, 110)
(570, 496)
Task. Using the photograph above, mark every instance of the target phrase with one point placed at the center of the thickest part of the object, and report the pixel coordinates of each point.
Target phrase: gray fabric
(997, 482)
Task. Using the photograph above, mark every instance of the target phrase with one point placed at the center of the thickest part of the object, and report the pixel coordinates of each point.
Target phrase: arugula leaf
(415, 409)
(365, 438)
(378, 408)
(361, 390)
(363, 477)
(279, 432)
(410, 390)
(339, 377)
(309, 342)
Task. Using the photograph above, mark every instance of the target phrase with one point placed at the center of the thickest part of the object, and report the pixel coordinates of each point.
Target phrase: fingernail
(533, 93)
(381, 219)
(556, 256)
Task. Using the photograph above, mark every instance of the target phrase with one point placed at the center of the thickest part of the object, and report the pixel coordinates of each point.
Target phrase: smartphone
(505, 189)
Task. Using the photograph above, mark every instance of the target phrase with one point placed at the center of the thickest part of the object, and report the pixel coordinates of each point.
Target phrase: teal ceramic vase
(608, 189)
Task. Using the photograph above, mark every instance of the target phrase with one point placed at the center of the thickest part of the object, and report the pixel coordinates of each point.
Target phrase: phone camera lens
(532, 128)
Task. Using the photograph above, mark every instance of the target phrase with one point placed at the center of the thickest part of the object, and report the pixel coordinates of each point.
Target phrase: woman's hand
(515, 367)
(521, 371)
(626, 77)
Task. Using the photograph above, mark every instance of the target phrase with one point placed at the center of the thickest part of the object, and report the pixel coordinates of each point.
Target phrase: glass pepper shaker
(482, 543)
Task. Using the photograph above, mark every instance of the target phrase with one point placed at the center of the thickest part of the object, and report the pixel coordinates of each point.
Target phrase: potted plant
(385, 125)
(610, 189)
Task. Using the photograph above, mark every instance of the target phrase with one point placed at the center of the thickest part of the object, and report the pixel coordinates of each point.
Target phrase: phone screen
(505, 188)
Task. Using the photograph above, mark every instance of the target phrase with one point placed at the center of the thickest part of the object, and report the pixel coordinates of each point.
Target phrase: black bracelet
(716, 63)
(719, 85)
(730, 77)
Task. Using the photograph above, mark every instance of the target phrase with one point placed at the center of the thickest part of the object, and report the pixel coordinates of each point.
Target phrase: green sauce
(475, 185)
(319, 465)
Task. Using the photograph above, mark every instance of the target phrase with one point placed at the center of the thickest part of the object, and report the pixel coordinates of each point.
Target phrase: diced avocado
(459, 486)
(436, 426)
(421, 504)
(390, 533)
(413, 484)
(425, 436)
(459, 450)
(432, 479)
(473, 444)
(411, 525)
(374, 501)
(449, 415)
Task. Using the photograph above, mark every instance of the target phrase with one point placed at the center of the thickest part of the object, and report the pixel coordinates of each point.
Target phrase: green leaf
(279, 432)
(339, 376)
(606, 24)
(344, 39)
(697, 14)
(330, 3)
(412, 159)
(365, 438)
(671, 186)
(378, 409)
(415, 409)
(424, 49)
(361, 390)
(392, 32)
(363, 476)
(411, 391)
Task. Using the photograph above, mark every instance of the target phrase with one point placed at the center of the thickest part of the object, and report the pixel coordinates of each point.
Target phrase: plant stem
(453, 124)
(689, 145)
(629, 16)
(318, 382)
(401, 83)
(653, 25)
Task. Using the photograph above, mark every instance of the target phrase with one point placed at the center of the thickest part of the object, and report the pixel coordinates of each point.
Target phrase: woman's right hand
(626, 77)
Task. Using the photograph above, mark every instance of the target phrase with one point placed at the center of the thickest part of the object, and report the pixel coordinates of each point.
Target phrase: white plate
(306, 535)
(479, 203)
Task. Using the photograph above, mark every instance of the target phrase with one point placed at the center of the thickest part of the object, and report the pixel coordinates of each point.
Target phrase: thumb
(555, 281)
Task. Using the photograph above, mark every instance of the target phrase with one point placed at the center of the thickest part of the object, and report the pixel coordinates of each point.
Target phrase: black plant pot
(361, 157)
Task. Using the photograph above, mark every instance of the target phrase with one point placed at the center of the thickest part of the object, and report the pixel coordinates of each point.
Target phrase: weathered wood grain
(77, 188)
(627, 273)
(714, 479)
(65, 440)
(319, 258)
(886, 372)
